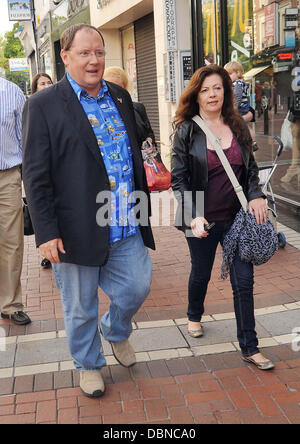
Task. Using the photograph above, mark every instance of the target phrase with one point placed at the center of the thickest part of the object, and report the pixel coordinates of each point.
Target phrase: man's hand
(50, 249)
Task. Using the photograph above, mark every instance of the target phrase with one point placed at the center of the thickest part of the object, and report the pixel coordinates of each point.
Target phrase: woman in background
(117, 75)
(40, 81)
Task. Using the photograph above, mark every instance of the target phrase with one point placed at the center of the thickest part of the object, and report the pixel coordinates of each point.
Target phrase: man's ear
(64, 56)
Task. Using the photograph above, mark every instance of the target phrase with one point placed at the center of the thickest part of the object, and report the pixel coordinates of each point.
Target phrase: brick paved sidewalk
(216, 388)
(194, 390)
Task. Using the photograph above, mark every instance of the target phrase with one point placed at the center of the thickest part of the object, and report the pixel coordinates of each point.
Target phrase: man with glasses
(82, 166)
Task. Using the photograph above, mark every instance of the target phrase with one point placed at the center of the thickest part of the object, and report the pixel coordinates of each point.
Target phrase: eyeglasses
(100, 54)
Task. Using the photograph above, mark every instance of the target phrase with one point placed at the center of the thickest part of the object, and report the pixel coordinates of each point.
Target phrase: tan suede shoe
(124, 353)
(91, 383)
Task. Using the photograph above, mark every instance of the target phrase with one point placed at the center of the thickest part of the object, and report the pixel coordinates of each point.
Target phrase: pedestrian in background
(82, 161)
(39, 82)
(274, 95)
(11, 216)
(117, 75)
(240, 89)
(196, 167)
(266, 95)
(258, 96)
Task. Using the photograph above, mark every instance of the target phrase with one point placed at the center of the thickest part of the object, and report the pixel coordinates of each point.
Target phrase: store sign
(285, 56)
(171, 26)
(170, 77)
(291, 17)
(19, 10)
(290, 38)
(102, 3)
(18, 65)
(75, 6)
(271, 25)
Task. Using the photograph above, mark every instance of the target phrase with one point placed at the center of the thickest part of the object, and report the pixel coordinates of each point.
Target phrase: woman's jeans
(203, 253)
(125, 278)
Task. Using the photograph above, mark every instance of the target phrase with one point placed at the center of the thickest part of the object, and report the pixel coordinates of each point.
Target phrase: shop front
(44, 46)
(264, 37)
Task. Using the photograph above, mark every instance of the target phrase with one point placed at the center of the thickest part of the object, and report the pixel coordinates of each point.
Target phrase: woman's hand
(258, 208)
(197, 226)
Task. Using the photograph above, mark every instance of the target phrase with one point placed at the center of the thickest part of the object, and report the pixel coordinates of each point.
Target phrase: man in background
(11, 216)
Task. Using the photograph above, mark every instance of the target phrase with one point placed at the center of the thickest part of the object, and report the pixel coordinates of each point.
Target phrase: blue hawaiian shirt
(114, 145)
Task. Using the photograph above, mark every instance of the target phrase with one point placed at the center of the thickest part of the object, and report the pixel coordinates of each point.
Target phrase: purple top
(220, 199)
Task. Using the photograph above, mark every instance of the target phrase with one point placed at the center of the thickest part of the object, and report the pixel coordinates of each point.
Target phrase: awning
(254, 71)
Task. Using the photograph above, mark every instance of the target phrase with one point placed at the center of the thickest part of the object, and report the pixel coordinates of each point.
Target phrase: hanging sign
(19, 10)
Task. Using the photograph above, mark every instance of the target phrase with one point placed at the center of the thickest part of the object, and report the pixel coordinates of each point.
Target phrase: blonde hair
(235, 67)
(115, 74)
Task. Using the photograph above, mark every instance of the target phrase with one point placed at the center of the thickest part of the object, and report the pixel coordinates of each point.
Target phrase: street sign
(18, 65)
(19, 10)
(291, 17)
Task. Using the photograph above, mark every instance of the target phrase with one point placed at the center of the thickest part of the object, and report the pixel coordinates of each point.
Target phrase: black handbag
(28, 228)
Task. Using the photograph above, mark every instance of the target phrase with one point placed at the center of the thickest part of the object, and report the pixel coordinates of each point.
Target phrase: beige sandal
(196, 333)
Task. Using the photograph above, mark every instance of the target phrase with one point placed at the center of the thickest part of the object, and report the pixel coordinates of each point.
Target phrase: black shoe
(46, 264)
(19, 317)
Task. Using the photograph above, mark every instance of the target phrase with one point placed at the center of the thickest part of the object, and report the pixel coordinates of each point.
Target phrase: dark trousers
(203, 253)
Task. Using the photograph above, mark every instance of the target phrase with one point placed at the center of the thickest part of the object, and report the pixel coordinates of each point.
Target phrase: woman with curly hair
(197, 170)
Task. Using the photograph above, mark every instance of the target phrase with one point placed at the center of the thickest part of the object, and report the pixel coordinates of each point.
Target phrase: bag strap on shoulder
(216, 143)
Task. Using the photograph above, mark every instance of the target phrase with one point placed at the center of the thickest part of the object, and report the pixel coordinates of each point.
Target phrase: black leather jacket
(190, 171)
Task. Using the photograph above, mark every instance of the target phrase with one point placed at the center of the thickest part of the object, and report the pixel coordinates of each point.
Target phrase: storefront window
(262, 36)
(240, 31)
(211, 31)
(265, 38)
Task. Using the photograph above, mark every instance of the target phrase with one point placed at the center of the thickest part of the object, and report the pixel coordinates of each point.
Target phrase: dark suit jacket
(63, 172)
(143, 124)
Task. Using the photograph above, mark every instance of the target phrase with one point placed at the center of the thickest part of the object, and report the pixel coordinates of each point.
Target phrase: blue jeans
(203, 253)
(125, 278)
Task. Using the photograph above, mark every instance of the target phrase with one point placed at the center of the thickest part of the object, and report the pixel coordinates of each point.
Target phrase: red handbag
(158, 177)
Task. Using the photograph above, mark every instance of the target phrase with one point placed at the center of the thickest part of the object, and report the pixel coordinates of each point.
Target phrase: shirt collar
(81, 93)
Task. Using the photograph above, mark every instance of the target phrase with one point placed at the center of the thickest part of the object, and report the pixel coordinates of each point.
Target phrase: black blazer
(143, 124)
(189, 170)
(63, 172)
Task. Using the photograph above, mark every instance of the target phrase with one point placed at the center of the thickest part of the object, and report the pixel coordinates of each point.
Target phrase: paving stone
(23, 384)
(42, 352)
(63, 379)
(177, 367)
(151, 339)
(6, 386)
(158, 369)
(280, 323)
(7, 356)
(219, 332)
(43, 381)
(157, 339)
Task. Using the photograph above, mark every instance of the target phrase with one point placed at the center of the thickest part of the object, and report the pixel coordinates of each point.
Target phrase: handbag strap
(216, 143)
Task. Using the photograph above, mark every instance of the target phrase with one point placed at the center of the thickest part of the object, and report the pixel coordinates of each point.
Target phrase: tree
(10, 48)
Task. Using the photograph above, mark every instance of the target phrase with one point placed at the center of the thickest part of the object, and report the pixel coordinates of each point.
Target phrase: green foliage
(11, 47)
